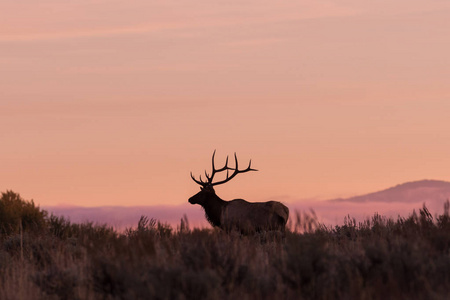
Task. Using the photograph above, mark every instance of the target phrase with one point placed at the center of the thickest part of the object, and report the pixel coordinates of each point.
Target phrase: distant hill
(400, 200)
(396, 201)
(429, 191)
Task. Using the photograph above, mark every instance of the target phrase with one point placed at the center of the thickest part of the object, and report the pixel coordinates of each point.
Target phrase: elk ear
(202, 188)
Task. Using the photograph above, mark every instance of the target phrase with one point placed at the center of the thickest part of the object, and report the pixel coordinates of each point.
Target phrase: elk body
(237, 214)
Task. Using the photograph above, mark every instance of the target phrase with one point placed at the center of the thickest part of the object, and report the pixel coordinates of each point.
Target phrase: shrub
(17, 214)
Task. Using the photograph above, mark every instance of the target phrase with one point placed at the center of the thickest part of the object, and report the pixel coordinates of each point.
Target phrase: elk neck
(213, 209)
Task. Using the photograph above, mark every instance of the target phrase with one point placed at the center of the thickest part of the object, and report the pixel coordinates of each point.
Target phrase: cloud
(36, 21)
(61, 20)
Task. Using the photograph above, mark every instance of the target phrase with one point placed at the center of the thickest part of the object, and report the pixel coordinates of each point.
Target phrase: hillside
(396, 201)
(379, 258)
(429, 191)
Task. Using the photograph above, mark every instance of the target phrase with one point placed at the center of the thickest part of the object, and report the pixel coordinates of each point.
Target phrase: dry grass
(381, 258)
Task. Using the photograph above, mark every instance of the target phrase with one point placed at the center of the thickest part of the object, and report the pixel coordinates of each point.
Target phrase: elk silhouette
(238, 214)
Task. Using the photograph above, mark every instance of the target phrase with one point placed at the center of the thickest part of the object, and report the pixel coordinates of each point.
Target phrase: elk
(238, 214)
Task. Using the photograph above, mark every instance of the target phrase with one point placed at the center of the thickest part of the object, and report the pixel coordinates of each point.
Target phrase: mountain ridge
(413, 192)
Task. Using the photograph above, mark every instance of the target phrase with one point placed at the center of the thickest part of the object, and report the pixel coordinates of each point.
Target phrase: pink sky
(115, 102)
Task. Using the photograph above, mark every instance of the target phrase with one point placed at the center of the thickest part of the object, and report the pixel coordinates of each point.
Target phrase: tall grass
(381, 258)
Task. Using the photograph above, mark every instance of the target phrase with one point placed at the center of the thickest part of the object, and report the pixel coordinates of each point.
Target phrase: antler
(214, 171)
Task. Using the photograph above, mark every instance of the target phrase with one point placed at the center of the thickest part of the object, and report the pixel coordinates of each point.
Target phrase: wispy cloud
(35, 21)
(87, 33)
(66, 21)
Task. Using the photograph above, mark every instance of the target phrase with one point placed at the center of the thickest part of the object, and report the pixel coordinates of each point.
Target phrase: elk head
(206, 187)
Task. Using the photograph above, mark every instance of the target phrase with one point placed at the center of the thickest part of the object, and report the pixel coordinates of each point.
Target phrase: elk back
(257, 216)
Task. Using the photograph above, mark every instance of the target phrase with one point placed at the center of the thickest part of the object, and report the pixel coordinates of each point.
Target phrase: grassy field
(48, 257)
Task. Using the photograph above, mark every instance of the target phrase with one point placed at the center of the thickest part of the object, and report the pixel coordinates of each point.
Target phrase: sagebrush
(381, 258)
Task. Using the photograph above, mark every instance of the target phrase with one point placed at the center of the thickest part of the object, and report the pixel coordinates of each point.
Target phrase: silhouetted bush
(61, 227)
(17, 214)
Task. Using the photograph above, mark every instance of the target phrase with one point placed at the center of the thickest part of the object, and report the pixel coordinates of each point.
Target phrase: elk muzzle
(191, 200)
